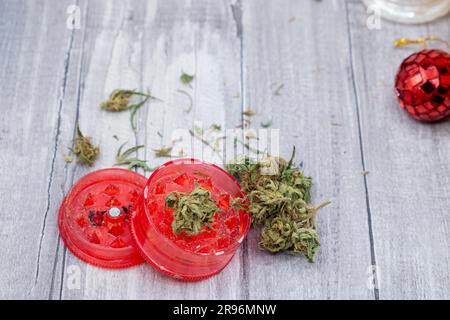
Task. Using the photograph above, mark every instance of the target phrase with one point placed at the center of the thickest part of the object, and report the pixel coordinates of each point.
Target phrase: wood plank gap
(55, 263)
(80, 86)
(61, 284)
(55, 141)
(236, 10)
(361, 147)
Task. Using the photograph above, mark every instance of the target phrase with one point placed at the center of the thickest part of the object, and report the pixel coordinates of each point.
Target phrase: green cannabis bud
(85, 151)
(279, 194)
(192, 211)
(283, 233)
(273, 187)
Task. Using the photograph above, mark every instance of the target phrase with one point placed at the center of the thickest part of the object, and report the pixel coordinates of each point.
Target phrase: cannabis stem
(124, 158)
(323, 204)
(199, 136)
(119, 100)
(191, 100)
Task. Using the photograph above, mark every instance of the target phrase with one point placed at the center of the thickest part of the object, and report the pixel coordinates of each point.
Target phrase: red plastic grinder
(94, 218)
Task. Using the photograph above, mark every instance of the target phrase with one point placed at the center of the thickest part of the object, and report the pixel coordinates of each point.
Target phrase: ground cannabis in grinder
(192, 211)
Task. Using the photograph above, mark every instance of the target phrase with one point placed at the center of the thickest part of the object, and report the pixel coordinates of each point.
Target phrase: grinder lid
(94, 218)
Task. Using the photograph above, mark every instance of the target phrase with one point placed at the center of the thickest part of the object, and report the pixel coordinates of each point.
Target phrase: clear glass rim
(413, 14)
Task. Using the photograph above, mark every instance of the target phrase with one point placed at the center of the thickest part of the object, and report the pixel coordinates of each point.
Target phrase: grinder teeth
(94, 218)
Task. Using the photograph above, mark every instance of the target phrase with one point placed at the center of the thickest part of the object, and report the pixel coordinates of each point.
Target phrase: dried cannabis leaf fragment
(186, 78)
(277, 91)
(119, 100)
(83, 148)
(164, 152)
(278, 194)
(134, 109)
(124, 158)
(68, 159)
(216, 127)
(192, 211)
(249, 112)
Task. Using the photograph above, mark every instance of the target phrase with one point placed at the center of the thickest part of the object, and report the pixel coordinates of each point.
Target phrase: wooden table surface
(337, 107)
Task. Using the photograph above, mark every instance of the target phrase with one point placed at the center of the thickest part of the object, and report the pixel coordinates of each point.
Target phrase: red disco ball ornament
(423, 85)
(94, 218)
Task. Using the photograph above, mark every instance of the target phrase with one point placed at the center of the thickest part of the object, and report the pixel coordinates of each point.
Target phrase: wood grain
(304, 46)
(312, 67)
(148, 45)
(408, 185)
(37, 90)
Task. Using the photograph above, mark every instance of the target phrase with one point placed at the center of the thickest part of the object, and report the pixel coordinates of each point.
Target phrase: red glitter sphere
(423, 85)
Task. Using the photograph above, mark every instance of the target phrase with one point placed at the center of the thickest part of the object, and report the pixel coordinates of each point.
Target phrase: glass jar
(410, 11)
(189, 258)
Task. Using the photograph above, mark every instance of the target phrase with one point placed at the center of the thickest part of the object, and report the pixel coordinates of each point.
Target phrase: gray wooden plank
(408, 184)
(146, 45)
(333, 95)
(36, 80)
(303, 45)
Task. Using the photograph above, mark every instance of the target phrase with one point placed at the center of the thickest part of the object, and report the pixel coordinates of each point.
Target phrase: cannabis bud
(83, 148)
(283, 233)
(278, 194)
(119, 100)
(192, 211)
